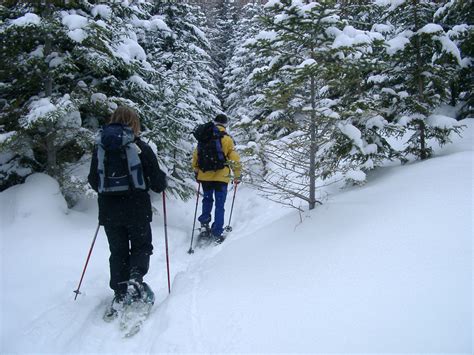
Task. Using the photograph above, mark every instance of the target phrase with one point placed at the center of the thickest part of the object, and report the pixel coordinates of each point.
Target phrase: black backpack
(119, 166)
(210, 154)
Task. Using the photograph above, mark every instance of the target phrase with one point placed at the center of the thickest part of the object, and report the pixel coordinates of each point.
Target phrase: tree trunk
(419, 70)
(51, 149)
(52, 162)
(454, 93)
(48, 81)
(312, 148)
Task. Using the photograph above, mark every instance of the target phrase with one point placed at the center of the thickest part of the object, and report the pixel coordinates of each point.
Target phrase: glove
(196, 173)
(237, 181)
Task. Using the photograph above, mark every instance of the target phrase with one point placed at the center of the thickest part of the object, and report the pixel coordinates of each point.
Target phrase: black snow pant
(130, 250)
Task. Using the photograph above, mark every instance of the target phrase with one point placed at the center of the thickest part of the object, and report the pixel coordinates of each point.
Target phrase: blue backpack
(119, 166)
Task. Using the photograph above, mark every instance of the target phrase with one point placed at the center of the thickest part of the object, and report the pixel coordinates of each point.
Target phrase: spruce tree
(457, 19)
(320, 126)
(243, 94)
(189, 88)
(60, 88)
(420, 60)
(222, 36)
(40, 113)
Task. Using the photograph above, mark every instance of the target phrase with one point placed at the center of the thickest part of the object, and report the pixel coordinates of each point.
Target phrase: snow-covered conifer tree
(64, 86)
(319, 125)
(358, 13)
(188, 83)
(457, 19)
(242, 94)
(222, 35)
(40, 113)
(421, 59)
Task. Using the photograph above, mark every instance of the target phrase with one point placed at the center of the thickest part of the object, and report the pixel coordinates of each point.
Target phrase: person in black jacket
(126, 218)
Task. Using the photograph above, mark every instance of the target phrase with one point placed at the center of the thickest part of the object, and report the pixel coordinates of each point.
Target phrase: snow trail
(386, 267)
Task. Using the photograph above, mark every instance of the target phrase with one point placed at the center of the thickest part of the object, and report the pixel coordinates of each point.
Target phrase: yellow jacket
(232, 157)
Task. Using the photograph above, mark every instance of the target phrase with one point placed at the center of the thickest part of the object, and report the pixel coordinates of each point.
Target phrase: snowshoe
(112, 310)
(219, 240)
(204, 237)
(137, 306)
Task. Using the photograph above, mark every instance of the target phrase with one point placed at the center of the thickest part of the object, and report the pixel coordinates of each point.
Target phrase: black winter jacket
(133, 208)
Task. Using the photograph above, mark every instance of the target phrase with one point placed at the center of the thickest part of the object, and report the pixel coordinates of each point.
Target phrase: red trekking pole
(191, 251)
(166, 242)
(77, 292)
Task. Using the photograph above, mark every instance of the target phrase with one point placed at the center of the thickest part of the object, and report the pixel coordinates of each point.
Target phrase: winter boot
(134, 291)
(138, 291)
(136, 275)
(205, 229)
(218, 239)
(115, 307)
(204, 233)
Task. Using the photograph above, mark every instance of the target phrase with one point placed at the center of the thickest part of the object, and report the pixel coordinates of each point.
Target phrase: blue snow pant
(219, 191)
(130, 250)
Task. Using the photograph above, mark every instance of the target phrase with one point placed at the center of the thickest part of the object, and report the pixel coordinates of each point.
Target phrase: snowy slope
(386, 267)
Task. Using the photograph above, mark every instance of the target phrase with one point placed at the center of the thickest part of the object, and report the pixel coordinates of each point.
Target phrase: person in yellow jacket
(214, 182)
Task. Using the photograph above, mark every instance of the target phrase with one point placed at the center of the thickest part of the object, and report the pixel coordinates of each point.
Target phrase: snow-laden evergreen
(318, 123)
(357, 63)
(40, 94)
(420, 60)
(221, 30)
(241, 93)
(187, 82)
(356, 76)
(57, 90)
(457, 19)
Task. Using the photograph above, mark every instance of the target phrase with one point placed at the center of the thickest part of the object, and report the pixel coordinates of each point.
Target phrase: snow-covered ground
(386, 267)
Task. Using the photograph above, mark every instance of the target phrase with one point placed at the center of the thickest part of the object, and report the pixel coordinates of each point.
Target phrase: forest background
(316, 91)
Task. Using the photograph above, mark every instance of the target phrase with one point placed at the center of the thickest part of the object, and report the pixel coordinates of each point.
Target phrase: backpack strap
(100, 167)
(218, 141)
(135, 169)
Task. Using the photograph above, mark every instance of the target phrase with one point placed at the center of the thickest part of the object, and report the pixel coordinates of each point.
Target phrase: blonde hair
(126, 116)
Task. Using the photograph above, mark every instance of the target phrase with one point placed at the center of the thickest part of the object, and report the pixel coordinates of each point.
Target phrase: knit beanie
(221, 119)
